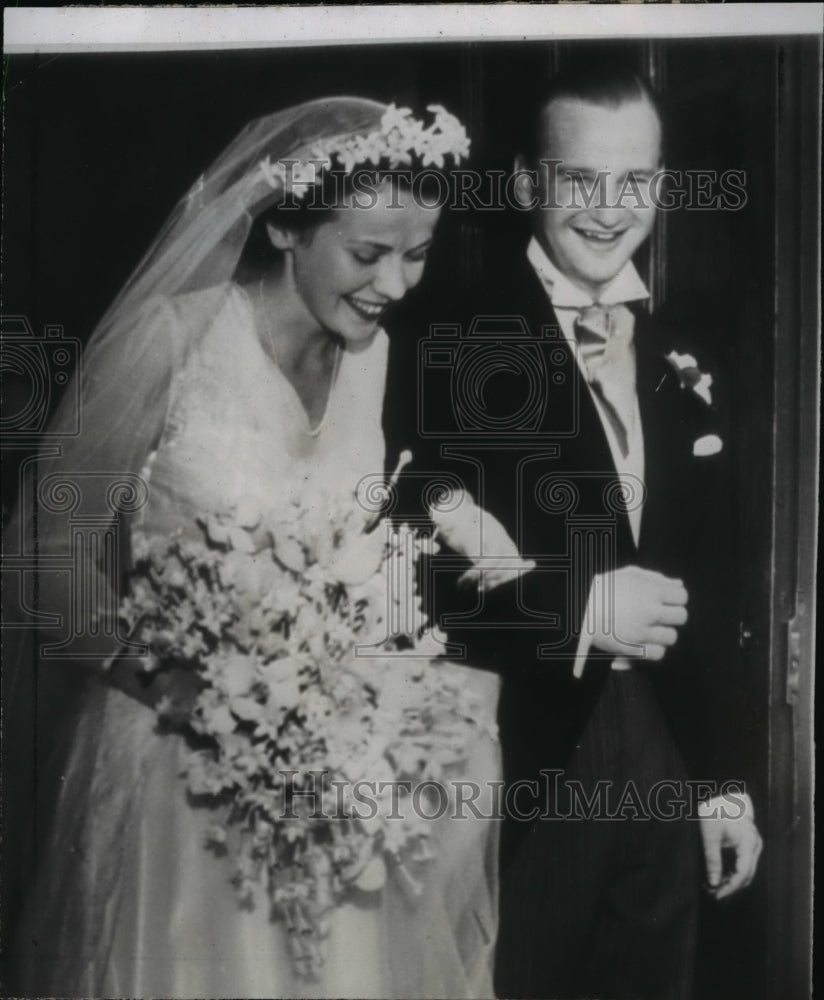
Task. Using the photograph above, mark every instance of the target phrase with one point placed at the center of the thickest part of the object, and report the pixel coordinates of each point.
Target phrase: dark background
(98, 149)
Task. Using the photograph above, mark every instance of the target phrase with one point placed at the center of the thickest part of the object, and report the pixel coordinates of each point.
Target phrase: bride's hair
(336, 189)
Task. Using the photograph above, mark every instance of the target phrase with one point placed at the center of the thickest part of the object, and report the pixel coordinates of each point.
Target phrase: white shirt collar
(626, 286)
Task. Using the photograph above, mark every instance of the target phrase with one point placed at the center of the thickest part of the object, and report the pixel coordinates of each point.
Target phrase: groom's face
(596, 208)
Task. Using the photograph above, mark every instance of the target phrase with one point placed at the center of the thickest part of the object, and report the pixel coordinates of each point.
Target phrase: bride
(241, 368)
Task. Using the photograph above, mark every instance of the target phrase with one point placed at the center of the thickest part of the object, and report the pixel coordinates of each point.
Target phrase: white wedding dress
(128, 901)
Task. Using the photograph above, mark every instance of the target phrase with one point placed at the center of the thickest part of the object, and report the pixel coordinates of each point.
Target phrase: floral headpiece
(399, 137)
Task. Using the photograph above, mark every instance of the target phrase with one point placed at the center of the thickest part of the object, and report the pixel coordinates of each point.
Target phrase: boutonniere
(690, 375)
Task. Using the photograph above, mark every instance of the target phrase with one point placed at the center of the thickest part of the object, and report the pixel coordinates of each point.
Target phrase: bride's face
(354, 264)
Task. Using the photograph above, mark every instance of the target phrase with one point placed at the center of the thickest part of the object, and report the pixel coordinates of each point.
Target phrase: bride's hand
(478, 535)
(490, 573)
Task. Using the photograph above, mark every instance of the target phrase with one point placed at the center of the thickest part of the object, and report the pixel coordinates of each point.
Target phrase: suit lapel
(588, 450)
(590, 437)
(659, 404)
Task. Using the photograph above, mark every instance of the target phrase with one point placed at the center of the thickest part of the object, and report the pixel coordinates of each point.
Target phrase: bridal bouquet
(321, 708)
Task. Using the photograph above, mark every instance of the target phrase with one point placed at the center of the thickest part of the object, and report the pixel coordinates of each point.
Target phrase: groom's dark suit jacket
(552, 484)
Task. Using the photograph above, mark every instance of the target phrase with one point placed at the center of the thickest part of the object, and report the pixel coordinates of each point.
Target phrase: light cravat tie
(605, 339)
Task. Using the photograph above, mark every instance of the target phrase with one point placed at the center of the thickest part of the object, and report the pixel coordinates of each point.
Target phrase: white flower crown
(399, 137)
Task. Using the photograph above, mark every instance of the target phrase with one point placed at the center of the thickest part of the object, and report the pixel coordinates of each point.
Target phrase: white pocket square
(709, 444)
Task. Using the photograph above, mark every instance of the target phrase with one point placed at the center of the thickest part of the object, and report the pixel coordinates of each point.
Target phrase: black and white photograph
(410, 442)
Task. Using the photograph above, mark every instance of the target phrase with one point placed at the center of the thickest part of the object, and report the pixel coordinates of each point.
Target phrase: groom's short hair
(604, 84)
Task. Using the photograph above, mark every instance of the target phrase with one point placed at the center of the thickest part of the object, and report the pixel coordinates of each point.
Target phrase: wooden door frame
(795, 444)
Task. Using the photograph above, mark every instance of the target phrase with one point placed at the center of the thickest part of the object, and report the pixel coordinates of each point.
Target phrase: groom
(615, 774)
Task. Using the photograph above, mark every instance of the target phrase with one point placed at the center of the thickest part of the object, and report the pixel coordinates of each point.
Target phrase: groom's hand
(635, 612)
(727, 824)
